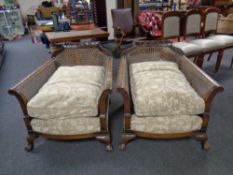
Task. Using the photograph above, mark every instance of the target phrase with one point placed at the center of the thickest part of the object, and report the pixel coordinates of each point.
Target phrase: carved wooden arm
(123, 88)
(119, 33)
(105, 96)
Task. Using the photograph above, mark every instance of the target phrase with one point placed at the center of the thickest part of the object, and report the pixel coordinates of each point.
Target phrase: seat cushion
(70, 92)
(207, 45)
(66, 126)
(166, 124)
(189, 49)
(226, 40)
(159, 88)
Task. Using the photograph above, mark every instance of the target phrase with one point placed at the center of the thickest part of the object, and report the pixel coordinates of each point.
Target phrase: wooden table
(75, 35)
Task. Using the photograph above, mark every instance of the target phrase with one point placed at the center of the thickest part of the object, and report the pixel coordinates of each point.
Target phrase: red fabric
(151, 21)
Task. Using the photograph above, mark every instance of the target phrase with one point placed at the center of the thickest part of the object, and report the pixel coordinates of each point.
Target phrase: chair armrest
(204, 85)
(29, 86)
(104, 100)
(107, 90)
(118, 31)
(123, 84)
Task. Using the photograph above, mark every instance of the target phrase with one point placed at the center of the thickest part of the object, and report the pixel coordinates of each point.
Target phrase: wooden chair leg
(199, 60)
(219, 60)
(203, 138)
(30, 142)
(104, 138)
(210, 55)
(126, 137)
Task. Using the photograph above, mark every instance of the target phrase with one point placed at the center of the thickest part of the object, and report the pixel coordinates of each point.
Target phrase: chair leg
(30, 142)
(203, 138)
(199, 60)
(210, 55)
(104, 137)
(126, 137)
(219, 60)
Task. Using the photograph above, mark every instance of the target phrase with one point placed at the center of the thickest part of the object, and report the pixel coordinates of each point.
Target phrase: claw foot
(28, 148)
(206, 146)
(109, 148)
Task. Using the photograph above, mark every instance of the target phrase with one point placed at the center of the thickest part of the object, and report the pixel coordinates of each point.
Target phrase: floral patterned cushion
(159, 88)
(70, 92)
(66, 126)
(150, 21)
(166, 124)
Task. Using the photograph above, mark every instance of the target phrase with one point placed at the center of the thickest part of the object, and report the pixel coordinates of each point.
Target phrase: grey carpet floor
(142, 157)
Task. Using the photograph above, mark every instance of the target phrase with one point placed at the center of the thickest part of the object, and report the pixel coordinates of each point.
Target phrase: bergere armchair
(68, 97)
(165, 95)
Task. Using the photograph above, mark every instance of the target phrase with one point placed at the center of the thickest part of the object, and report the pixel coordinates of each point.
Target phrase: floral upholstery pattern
(159, 88)
(166, 124)
(71, 92)
(151, 21)
(66, 126)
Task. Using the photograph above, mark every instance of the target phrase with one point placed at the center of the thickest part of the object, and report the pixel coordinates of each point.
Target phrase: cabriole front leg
(30, 141)
(104, 137)
(126, 137)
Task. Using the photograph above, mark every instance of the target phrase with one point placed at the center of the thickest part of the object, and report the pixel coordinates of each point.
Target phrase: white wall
(110, 4)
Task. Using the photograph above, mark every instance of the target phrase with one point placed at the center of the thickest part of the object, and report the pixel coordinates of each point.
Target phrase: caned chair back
(171, 25)
(193, 22)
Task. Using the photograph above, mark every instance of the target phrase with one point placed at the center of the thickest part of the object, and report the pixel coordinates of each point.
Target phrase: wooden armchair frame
(207, 89)
(28, 87)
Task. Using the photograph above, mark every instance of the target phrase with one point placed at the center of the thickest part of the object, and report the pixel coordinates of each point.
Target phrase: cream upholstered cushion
(207, 44)
(70, 92)
(66, 126)
(226, 40)
(166, 124)
(159, 88)
(189, 49)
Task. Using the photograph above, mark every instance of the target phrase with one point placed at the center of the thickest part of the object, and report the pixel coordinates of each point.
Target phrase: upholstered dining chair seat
(166, 124)
(226, 40)
(189, 49)
(207, 45)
